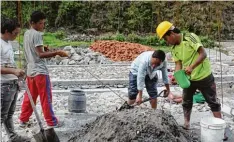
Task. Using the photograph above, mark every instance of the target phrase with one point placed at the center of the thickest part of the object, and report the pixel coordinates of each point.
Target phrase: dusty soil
(134, 125)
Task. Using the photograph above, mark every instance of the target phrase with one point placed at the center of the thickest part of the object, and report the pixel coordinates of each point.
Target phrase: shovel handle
(33, 106)
(148, 99)
(163, 91)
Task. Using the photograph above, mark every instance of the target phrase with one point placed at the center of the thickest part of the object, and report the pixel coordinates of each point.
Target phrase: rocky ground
(104, 103)
(107, 102)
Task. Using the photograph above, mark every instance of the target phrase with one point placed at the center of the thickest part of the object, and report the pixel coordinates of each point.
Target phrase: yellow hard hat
(162, 28)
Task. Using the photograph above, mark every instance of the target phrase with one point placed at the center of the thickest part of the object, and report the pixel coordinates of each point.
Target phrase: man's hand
(167, 93)
(46, 48)
(61, 53)
(139, 99)
(188, 70)
(173, 80)
(19, 72)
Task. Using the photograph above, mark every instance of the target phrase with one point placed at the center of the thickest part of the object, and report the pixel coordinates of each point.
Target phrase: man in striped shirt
(189, 54)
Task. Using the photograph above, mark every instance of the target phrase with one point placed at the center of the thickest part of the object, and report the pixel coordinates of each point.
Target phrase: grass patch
(53, 41)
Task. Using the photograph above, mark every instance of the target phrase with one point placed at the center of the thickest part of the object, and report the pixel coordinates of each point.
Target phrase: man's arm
(141, 77)
(49, 54)
(202, 56)
(42, 54)
(178, 66)
(17, 72)
(165, 76)
(200, 59)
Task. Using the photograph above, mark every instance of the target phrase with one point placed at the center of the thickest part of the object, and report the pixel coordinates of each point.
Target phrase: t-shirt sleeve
(174, 57)
(194, 41)
(38, 41)
(141, 76)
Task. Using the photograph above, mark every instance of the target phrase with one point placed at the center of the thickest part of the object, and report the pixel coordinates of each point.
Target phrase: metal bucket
(77, 101)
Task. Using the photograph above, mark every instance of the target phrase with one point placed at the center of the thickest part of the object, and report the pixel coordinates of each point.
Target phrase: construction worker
(10, 28)
(189, 55)
(144, 72)
(38, 79)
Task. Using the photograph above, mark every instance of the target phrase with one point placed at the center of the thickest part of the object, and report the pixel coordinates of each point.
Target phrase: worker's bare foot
(186, 126)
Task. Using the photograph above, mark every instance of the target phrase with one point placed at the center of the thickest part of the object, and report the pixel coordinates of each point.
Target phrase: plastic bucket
(77, 101)
(182, 79)
(212, 129)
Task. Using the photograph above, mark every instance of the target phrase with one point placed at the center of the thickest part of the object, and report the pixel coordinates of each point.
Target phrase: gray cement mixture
(134, 125)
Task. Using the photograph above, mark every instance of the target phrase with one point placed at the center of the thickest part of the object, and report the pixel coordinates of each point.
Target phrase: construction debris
(119, 51)
(146, 125)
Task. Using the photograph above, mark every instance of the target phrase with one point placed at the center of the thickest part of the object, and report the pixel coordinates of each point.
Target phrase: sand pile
(119, 51)
(133, 125)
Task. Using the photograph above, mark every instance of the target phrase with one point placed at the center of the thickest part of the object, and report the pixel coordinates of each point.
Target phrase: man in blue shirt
(144, 72)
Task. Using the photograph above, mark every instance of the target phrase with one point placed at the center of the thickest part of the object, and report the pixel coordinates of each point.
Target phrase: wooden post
(20, 21)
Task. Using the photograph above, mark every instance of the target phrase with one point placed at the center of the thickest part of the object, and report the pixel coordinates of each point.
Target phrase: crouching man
(144, 72)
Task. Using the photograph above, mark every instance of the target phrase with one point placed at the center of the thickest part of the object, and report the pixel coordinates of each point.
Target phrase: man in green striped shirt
(189, 55)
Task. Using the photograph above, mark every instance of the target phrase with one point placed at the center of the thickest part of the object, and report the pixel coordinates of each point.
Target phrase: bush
(60, 34)
(108, 36)
(207, 42)
(120, 37)
(133, 38)
(151, 40)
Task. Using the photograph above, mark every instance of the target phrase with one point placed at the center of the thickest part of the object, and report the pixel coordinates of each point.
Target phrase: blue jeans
(150, 84)
(9, 93)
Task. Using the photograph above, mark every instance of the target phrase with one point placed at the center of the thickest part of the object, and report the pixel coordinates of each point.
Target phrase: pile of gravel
(79, 56)
(80, 37)
(133, 125)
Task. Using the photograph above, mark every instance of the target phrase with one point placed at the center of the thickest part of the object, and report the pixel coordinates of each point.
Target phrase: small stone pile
(134, 125)
(119, 51)
(80, 37)
(79, 56)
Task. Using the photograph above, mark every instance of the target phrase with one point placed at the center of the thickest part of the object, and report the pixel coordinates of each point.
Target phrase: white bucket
(212, 129)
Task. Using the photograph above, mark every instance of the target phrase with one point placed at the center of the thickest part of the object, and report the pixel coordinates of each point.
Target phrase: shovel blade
(125, 106)
(51, 136)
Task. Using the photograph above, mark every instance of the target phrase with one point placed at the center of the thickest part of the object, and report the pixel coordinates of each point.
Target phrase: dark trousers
(207, 87)
(150, 84)
(9, 93)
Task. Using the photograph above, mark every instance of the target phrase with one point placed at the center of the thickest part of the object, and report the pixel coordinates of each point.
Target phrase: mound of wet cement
(133, 125)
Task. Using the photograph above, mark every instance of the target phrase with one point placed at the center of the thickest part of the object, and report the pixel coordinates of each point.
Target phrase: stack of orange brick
(119, 51)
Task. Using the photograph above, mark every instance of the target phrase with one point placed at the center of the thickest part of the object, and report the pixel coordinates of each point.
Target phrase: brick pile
(119, 51)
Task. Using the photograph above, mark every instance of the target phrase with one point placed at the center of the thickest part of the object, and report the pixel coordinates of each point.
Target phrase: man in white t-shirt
(9, 78)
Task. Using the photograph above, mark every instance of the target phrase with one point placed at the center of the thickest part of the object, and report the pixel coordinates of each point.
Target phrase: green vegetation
(150, 39)
(55, 40)
(202, 18)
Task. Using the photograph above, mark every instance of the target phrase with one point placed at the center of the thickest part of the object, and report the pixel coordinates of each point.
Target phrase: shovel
(48, 135)
(127, 106)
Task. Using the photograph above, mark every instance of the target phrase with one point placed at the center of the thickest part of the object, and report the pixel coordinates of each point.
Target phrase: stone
(67, 48)
(92, 62)
(72, 62)
(81, 62)
(64, 61)
(76, 57)
(70, 50)
(87, 59)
